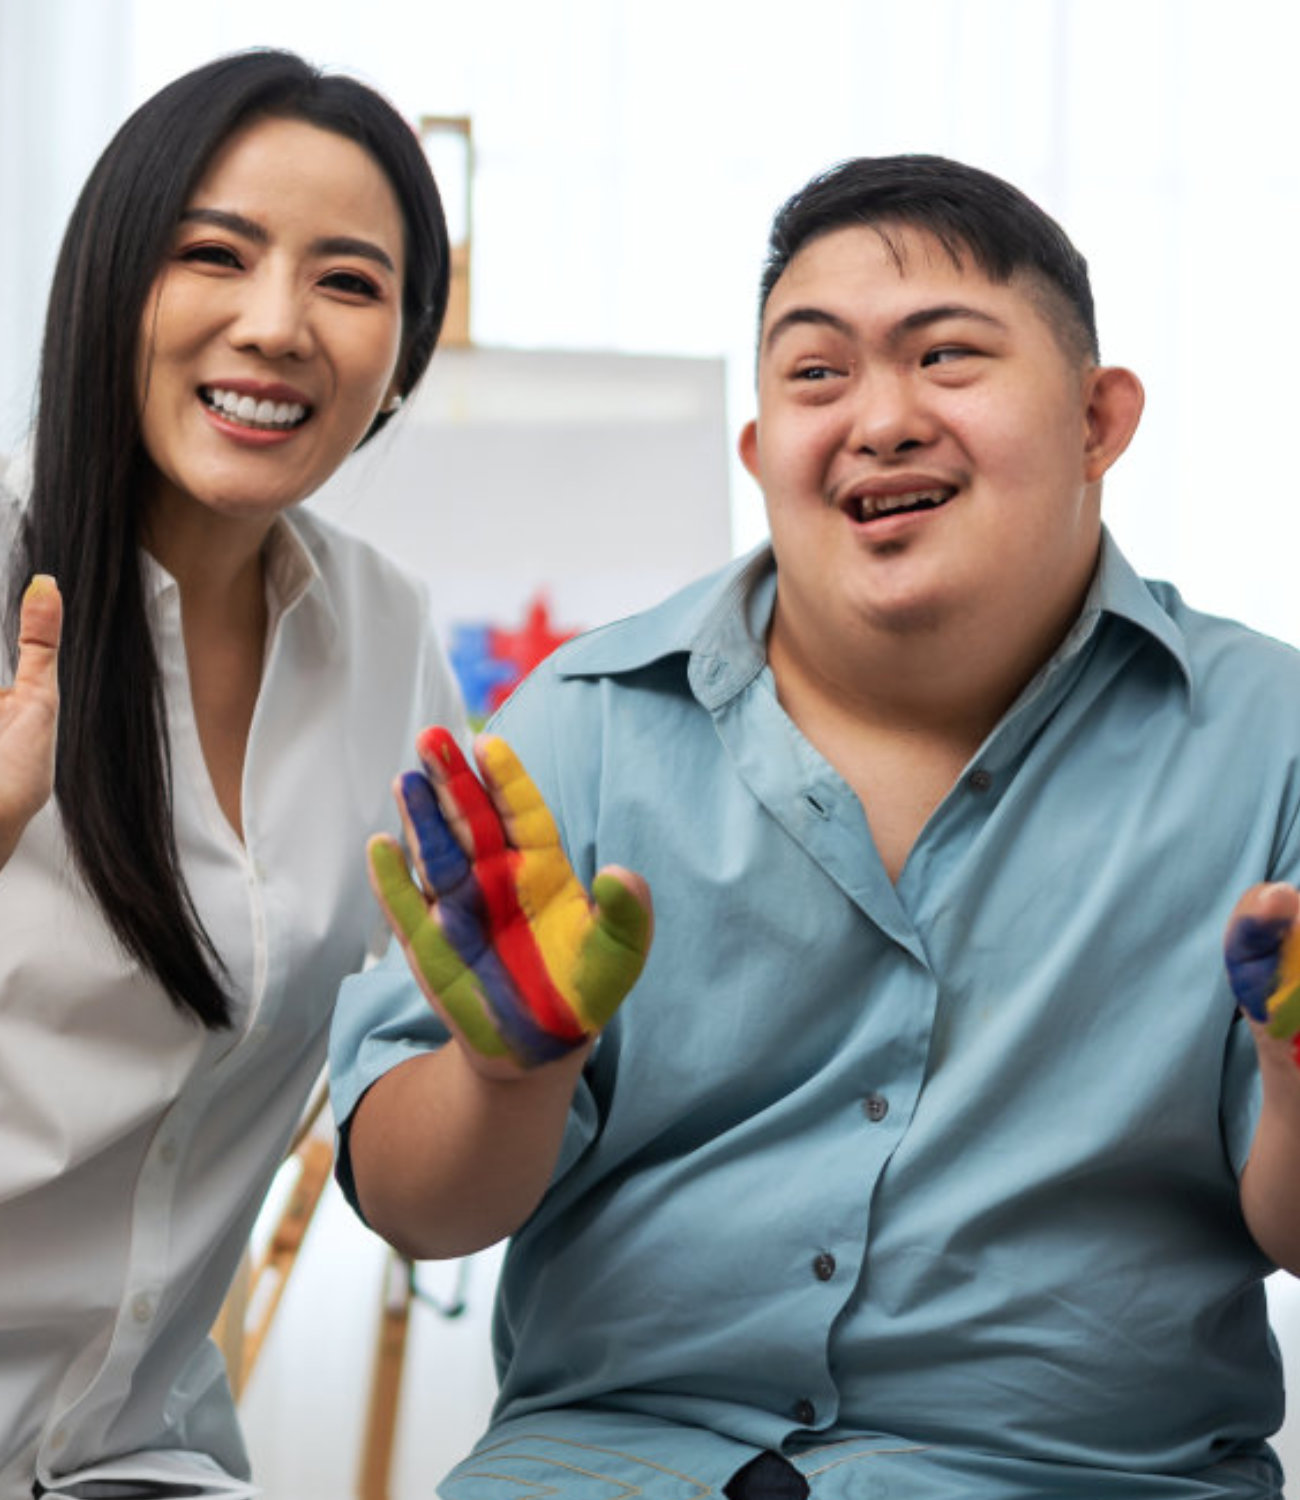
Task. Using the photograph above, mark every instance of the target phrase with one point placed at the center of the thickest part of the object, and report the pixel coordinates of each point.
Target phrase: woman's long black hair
(83, 519)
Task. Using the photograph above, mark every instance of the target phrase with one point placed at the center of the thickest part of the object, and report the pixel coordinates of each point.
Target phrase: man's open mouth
(874, 507)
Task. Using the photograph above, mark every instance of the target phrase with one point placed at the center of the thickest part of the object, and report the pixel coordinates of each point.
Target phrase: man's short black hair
(970, 212)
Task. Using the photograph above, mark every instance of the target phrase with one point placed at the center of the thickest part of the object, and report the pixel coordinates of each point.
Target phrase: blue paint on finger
(1252, 952)
(443, 860)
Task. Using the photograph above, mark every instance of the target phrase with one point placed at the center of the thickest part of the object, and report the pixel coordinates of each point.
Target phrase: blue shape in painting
(479, 671)
(491, 660)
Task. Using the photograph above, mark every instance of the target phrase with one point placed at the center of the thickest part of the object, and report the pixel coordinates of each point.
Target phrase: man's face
(925, 445)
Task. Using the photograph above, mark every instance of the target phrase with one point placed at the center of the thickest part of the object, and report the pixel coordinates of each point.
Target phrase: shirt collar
(1118, 590)
(292, 572)
(720, 624)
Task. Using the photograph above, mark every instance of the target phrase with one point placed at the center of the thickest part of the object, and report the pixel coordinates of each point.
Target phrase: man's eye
(813, 372)
(946, 354)
(351, 282)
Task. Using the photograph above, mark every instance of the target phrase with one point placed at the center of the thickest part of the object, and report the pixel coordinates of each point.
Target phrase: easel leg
(386, 1381)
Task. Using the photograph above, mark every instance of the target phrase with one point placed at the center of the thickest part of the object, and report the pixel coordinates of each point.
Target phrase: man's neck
(900, 716)
(915, 685)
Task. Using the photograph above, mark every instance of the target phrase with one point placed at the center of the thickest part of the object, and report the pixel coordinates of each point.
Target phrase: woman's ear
(1114, 400)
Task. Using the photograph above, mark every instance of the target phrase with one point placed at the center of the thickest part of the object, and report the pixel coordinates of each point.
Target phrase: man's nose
(890, 415)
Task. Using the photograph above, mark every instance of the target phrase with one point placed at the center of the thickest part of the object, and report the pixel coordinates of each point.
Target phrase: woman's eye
(213, 255)
(351, 282)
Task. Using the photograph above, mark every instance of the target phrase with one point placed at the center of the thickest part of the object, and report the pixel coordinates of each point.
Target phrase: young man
(915, 1162)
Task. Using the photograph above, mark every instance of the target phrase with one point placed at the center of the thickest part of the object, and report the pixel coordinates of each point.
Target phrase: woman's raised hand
(29, 714)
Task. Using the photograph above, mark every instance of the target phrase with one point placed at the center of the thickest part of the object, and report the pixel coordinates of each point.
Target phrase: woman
(253, 279)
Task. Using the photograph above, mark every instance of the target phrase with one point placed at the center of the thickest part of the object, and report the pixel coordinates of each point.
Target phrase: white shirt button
(142, 1308)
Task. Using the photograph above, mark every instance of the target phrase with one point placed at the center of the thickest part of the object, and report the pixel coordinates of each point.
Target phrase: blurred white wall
(65, 79)
(631, 153)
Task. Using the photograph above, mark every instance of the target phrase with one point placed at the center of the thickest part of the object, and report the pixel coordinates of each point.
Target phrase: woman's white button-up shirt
(135, 1147)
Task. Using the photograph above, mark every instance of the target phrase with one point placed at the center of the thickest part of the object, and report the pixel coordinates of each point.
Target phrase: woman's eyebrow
(346, 244)
(224, 218)
(250, 229)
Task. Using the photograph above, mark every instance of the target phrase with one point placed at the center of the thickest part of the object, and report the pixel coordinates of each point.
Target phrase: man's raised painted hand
(520, 962)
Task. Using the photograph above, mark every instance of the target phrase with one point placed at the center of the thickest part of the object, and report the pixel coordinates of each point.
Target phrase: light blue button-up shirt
(941, 1168)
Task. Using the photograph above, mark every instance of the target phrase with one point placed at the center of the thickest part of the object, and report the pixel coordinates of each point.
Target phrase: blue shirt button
(823, 1266)
(805, 1413)
(875, 1107)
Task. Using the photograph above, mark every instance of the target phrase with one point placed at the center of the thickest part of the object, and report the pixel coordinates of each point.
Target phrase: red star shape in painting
(525, 647)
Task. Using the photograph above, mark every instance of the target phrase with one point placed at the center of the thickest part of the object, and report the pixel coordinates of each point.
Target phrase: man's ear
(747, 447)
(1114, 399)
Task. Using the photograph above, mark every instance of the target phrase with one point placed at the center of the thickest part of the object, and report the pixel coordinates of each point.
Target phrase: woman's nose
(272, 318)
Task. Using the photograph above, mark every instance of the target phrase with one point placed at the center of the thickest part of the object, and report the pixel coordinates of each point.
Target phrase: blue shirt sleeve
(381, 1019)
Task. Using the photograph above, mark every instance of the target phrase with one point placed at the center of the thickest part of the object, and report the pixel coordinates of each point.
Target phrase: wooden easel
(250, 1306)
(450, 138)
(386, 1372)
(249, 1309)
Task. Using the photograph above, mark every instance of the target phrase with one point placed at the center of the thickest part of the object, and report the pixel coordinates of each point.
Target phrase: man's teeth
(871, 506)
(250, 412)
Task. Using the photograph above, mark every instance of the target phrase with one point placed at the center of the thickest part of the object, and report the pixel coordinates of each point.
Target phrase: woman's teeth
(250, 412)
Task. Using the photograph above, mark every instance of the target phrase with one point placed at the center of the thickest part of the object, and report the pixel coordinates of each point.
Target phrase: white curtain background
(630, 154)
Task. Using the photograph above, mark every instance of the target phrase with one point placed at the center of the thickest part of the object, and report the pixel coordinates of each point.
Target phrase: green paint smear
(1284, 1016)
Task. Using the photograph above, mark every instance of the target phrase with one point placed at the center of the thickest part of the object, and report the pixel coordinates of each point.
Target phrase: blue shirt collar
(720, 623)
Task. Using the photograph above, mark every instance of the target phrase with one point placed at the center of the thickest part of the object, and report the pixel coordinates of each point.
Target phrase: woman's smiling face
(271, 336)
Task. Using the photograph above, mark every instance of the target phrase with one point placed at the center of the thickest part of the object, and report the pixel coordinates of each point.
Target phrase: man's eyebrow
(796, 316)
(250, 229)
(924, 317)
(914, 322)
